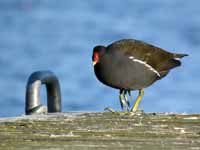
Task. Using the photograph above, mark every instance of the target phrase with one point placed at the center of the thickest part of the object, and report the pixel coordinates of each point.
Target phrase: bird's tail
(175, 62)
(172, 63)
(178, 56)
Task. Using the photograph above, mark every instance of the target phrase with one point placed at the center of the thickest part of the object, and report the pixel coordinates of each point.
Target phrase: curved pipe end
(34, 83)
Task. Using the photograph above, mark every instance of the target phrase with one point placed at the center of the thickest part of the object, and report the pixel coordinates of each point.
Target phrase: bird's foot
(122, 113)
(138, 112)
(109, 109)
(125, 105)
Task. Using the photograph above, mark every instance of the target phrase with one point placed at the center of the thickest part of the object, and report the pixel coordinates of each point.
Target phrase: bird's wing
(159, 59)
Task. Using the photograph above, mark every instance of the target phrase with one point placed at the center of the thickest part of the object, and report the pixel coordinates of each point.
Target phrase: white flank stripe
(131, 57)
(147, 65)
(177, 59)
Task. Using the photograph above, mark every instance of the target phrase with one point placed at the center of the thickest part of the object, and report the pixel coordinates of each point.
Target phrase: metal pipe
(34, 83)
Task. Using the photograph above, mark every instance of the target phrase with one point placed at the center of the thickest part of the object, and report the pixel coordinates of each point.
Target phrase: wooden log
(110, 131)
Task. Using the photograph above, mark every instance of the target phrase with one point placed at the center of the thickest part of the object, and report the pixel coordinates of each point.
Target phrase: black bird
(130, 64)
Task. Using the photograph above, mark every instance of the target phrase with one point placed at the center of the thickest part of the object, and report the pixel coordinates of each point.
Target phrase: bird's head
(98, 51)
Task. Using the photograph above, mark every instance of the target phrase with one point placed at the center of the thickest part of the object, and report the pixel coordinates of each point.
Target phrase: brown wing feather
(158, 58)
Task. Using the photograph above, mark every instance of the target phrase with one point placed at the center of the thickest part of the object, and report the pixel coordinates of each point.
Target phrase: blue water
(60, 35)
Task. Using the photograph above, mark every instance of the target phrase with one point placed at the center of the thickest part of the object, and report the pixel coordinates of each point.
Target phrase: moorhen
(130, 64)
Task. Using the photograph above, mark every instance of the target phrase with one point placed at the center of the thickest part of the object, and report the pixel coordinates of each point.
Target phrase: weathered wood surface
(113, 131)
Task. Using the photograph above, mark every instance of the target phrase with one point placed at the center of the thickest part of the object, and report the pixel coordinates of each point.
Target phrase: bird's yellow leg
(137, 101)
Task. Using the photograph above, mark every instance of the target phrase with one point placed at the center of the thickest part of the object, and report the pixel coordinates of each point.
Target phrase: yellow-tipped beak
(94, 63)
